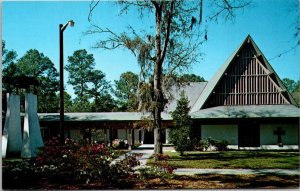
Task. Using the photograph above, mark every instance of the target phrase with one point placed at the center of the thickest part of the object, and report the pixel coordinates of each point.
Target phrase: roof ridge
(218, 76)
(215, 79)
(269, 66)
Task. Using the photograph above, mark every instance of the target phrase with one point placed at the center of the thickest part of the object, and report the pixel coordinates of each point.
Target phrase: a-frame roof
(218, 75)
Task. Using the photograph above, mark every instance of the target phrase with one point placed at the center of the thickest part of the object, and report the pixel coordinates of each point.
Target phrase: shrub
(208, 143)
(137, 143)
(221, 145)
(160, 168)
(203, 145)
(72, 162)
(119, 144)
(122, 173)
(18, 174)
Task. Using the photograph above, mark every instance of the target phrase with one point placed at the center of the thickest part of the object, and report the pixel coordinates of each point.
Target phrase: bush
(203, 145)
(221, 145)
(73, 160)
(119, 144)
(69, 163)
(18, 174)
(122, 173)
(160, 169)
(208, 143)
(137, 143)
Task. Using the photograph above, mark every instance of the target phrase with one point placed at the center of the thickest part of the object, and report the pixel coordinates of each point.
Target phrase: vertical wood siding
(247, 81)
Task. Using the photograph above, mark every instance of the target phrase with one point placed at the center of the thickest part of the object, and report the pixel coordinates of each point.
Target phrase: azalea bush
(73, 162)
(119, 144)
(18, 174)
(160, 168)
(123, 171)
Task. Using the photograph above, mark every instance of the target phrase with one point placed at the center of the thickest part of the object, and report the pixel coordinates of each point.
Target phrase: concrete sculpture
(32, 138)
(12, 138)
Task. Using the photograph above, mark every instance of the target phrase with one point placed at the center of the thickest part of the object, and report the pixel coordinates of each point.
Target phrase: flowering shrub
(122, 172)
(161, 168)
(119, 144)
(18, 174)
(72, 163)
(73, 160)
(161, 161)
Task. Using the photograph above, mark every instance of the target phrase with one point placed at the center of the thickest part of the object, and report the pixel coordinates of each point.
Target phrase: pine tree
(181, 134)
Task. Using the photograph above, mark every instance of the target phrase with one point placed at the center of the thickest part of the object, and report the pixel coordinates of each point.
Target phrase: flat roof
(219, 112)
(100, 116)
(248, 111)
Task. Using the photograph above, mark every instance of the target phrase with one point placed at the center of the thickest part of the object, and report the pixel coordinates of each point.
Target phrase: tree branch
(93, 5)
(167, 34)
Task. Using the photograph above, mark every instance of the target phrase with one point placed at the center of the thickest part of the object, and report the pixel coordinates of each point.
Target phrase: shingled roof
(192, 90)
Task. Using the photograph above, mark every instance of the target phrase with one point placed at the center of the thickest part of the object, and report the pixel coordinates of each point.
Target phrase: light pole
(61, 76)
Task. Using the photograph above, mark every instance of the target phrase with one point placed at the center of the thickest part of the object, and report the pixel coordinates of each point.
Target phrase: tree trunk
(160, 52)
(157, 96)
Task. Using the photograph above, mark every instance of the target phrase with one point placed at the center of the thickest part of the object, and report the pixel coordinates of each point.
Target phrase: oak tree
(170, 48)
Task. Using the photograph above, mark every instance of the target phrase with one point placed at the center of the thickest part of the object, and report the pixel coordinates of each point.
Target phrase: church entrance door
(249, 134)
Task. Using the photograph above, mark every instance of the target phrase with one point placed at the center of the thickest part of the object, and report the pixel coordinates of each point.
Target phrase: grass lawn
(235, 159)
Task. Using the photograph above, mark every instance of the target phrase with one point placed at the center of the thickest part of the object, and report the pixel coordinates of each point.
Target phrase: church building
(245, 103)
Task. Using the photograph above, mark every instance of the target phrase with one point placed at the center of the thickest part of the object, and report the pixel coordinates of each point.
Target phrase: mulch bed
(178, 182)
(223, 182)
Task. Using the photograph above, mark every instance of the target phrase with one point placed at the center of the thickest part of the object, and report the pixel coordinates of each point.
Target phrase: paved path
(143, 159)
(148, 149)
(192, 171)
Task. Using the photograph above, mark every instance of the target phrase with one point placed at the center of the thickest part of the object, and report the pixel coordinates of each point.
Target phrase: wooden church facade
(248, 81)
(244, 103)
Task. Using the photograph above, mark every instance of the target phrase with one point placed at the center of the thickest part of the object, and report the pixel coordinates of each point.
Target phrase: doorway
(249, 134)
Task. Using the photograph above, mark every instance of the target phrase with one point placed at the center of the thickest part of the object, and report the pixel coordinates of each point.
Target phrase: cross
(279, 132)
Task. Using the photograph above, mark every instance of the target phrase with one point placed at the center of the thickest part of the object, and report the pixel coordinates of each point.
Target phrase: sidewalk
(143, 159)
(148, 150)
(193, 171)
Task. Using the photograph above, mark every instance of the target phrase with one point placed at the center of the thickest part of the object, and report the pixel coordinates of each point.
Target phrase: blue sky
(34, 25)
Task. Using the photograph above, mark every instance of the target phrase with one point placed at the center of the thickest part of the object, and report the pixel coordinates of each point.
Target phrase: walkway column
(167, 135)
(12, 138)
(129, 139)
(105, 136)
(133, 137)
(143, 135)
(110, 136)
(32, 137)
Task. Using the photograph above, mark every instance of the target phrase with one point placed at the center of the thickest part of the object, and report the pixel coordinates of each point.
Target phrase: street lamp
(61, 73)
